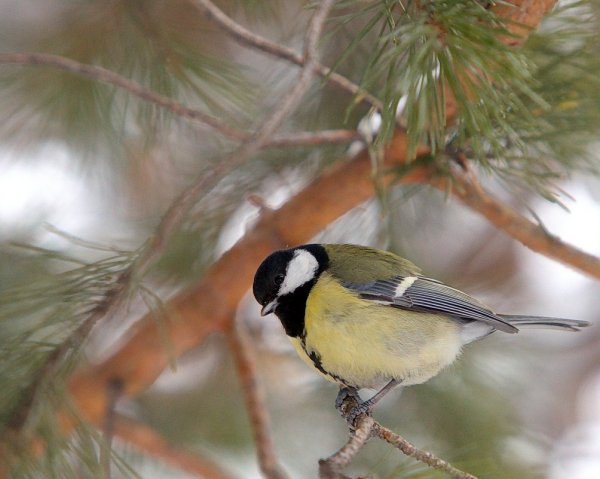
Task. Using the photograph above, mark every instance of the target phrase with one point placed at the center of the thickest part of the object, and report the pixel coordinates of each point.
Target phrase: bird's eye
(279, 279)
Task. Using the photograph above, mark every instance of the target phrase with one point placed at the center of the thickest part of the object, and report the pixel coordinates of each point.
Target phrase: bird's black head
(283, 281)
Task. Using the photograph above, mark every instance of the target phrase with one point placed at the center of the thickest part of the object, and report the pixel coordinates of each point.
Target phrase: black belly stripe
(316, 360)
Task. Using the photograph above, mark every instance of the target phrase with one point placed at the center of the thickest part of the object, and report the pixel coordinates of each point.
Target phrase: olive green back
(361, 264)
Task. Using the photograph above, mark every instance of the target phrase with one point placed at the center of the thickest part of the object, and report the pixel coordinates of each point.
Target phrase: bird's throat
(291, 310)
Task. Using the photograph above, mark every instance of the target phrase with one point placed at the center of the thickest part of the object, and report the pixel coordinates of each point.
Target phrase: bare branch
(331, 467)
(147, 440)
(254, 397)
(252, 40)
(290, 101)
(522, 16)
(425, 457)
(310, 138)
(530, 234)
(367, 427)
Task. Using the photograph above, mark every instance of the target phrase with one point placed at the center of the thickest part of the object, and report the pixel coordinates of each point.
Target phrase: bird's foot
(346, 399)
(351, 407)
(359, 411)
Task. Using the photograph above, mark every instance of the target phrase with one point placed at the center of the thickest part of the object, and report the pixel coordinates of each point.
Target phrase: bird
(365, 318)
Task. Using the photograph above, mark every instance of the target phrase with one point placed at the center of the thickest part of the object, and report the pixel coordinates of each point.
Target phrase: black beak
(269, 308)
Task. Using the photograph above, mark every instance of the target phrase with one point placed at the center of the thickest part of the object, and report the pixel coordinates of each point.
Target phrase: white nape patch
(404, 285)
(301, 269)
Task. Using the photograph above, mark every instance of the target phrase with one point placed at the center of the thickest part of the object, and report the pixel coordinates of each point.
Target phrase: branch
(252, 40)
(310, 138)
(331, 467)
(209, 304)
(522, 16)
(425, 457)
(106, 307)
(103, 75)
(154, 445)
(530, 234)
(245, 363)
(367, 427)
(108, 428)
(181, 206)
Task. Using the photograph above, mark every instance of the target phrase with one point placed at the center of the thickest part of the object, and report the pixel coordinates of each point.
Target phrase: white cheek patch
(404, 285)
(301, 269)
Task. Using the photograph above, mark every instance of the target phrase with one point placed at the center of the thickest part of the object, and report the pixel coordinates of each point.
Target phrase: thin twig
(252, 40)
(314, 138)
(425, 457)
(149, 441)
(331, 467)
(254, 396)
(367, 427)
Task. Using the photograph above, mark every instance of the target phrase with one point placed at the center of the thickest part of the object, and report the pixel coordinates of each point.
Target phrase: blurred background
(87, 171)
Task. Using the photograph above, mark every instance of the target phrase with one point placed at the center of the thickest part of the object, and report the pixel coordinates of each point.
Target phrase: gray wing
(418, 293)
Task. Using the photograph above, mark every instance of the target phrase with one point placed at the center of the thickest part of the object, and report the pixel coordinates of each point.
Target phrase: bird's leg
(367, 406)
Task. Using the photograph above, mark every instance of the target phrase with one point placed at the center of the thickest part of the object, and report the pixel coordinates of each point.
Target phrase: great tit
(366, 318)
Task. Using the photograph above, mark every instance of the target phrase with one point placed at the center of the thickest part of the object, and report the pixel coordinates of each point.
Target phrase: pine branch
(245, 363)
(106, 307)
(103, 75)
(252, 40)
(208, 306)
(521, 18)
(181, 206)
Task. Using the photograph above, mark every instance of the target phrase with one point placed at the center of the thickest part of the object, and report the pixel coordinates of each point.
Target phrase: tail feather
(544, 322)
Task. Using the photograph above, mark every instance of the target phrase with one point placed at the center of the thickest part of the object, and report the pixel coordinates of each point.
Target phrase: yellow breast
(367, 344)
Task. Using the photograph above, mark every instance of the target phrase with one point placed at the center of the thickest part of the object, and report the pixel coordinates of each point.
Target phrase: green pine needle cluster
(525, 114)
(152, 43)
(44, 296)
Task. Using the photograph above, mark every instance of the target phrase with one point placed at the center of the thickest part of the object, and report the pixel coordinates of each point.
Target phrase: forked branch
(367, 427)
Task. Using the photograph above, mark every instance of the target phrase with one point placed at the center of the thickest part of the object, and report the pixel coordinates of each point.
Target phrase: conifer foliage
(191, 111)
